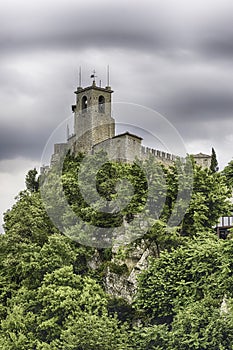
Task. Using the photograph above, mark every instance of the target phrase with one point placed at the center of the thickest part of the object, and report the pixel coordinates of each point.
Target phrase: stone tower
(93, 122)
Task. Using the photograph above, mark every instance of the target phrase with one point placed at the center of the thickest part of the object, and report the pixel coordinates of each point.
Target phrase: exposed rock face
(120, 272)
(135, 257)
(95, 262)
(119, 286)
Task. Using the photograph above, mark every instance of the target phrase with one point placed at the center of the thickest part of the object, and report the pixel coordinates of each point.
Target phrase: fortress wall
(164, 157)
(127, 147)
(124, 148)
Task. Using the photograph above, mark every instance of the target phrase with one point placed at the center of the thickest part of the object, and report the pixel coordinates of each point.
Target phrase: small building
(204, 160)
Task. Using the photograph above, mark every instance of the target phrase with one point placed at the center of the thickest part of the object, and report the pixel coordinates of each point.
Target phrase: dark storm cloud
(80, 27)
(216, 39)
(209, 104)
(218, 47)
(17, 142)
(157, 39)
(158, 27)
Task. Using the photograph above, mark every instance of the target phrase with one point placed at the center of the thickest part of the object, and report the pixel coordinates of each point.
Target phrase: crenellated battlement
(160, 155)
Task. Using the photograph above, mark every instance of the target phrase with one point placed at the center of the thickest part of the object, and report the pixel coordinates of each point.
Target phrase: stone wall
(125, 147)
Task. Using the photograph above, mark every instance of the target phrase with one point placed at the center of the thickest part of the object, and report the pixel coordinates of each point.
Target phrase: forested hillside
(57, 294)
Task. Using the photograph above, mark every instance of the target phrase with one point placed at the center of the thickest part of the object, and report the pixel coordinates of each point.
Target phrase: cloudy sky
(174, 56)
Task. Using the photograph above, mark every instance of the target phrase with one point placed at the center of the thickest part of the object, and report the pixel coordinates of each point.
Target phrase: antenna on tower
(67, 132)
(108, 76)
(80, 76)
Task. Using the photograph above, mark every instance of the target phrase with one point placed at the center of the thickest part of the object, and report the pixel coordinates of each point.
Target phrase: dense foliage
(51, 298)
(228, 173)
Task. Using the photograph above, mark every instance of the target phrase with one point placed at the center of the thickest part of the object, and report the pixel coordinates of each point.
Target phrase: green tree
(200, 326)
(214, 162)
(106, 191)
(28, 219)
(228, 173)
(32, 181)
(155, 337)
(209, 201)
(66, 311)
(17, 330)
(93, 332)
(183, 276)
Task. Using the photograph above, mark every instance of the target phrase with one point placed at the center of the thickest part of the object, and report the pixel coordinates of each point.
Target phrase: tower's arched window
(84, 103)
(101, 104)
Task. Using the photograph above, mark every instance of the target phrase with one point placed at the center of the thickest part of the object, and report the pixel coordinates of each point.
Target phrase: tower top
(93, 76)
(93, 122)
(94, 87)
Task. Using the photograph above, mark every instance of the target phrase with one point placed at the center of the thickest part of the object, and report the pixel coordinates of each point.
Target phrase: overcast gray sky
(174, 56)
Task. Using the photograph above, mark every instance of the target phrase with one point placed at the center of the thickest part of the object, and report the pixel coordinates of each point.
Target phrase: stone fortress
(94, 130)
